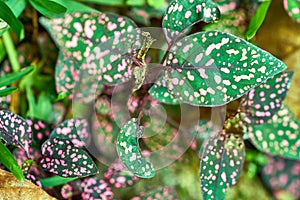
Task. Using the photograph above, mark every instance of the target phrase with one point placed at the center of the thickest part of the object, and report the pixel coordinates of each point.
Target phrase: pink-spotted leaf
(262, 102)
(119, 177)
(100, 42)
(62, 157)
(71, 189)
(164, 193)
(129, 152)
(292, 7)
(75, 130)
(66, 73)
(40, 131)
(15, 130)
(278, 136)
(95, 188)
(221, 164)
(213, 68)
(181, 14)
(282, 174)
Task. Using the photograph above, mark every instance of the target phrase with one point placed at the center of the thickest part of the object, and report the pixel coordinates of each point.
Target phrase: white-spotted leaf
(221, 164)
(15, 130)
(129, 152)
(62, 157)
(213, 68)
(262, 102)
(181, 14)
(278, 136)
(292, 7)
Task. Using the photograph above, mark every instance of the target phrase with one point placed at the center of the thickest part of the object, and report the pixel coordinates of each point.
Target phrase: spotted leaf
(282, 174)
(71, 189)
(160, 92)
(15, 130)
(129, 152)
(119, 177)
(75, 130)
(66, 73)
(181, 14)
(262, 102)
(100, 42)
(278, 136)
(221, 164)
(213, 68)
(163, 193)
(62, 157)
(40, 131)
(95, 188)
(292, 7)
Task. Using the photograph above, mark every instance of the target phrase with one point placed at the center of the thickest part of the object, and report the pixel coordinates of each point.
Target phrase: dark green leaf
(75, 130)
(129, 152)
(8, 16)
(8, 160)
(48, 8)
(181, 14)
(221, 164)
(13, 77)
(262, 102)
(257, 19)
(7, 91)
(278, 136)
(15, 130)
(62, 157)
(95, 188)
(55, 181)
(213, 68)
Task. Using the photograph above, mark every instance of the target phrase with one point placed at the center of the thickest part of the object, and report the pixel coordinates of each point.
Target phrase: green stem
(11, 52)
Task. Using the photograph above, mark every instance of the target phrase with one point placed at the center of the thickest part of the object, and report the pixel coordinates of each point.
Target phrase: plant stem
(16, 66)
(11, 52)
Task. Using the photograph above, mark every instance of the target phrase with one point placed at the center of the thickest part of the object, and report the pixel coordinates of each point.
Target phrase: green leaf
(101, 47)
(181, 14)
(135, 2)
(48, 8)
(292, 7)
(8, 160)
(2, 50)
(62, 157)
(129, 152)
(42, 109)
(257, 19)
(262, 102)
(16, 6)
(213, 68)
(55, 181)
(74, 6)
(105, 2)
(13, 77)
(7, 91)
(278, 136)
(221, 164)
(156, 3)
(8, 16)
